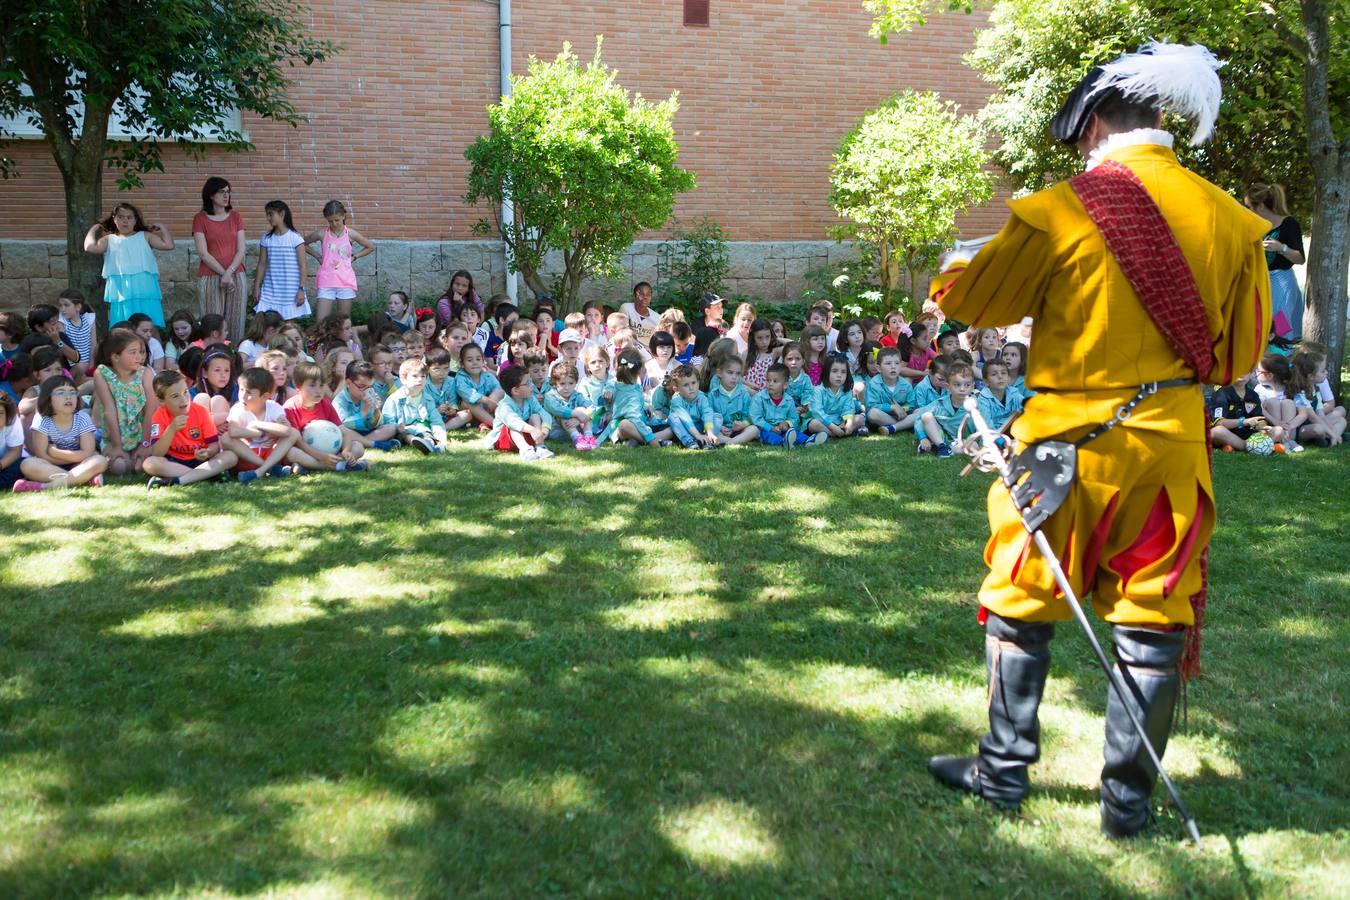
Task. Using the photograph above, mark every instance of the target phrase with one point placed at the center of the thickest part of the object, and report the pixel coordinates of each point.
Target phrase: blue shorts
(191, 462)
(773, 439)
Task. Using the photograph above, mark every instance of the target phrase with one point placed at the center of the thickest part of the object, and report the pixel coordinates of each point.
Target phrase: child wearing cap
(711, 304)
(569, 348)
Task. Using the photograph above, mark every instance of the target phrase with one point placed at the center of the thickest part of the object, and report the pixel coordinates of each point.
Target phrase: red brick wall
(766, 94)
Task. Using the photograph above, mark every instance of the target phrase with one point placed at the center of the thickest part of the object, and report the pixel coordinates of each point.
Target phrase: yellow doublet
(1133, 527)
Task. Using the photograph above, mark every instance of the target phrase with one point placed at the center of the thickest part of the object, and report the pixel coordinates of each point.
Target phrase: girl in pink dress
(760, 354)
(336, 280)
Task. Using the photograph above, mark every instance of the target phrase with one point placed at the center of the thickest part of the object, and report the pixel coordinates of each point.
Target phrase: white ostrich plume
(1183, 78)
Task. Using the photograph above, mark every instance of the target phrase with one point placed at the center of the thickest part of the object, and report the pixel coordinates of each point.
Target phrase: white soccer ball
(1260, 444)
(323, 435)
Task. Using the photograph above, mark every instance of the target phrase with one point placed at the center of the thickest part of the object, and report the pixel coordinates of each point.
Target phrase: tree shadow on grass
(482, 701)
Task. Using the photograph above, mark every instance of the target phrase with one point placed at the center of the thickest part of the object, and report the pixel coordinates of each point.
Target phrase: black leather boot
(1017, 661)
(1147, 663)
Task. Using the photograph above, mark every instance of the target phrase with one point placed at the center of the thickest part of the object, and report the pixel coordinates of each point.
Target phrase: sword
(991, 455)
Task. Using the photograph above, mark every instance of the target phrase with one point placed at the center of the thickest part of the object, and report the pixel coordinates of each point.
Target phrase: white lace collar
(1113, 142)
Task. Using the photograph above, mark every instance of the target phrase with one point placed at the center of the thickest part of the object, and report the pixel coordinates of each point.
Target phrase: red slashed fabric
(1147, 252)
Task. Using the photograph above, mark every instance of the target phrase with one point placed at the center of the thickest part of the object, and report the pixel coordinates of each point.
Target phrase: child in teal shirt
(519, 424)
(628, 416)
(997, 400)
(731, 401)
(799, 386)
(359, 405)
(691, 414)
(834, 411)
(569, 410)
(774, 413)
(536, 364)
(934, 384)
(478, 389)
(942, 419)
(413, 413)
(888, 397)
(596, 386)
(440, 389)
(384, 382)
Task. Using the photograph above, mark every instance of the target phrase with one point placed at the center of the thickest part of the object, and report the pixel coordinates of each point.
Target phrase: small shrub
(692, 263)
(362, 310)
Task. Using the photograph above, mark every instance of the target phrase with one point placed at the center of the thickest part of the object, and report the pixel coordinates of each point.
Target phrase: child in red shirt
(309, 404)
(185, 447)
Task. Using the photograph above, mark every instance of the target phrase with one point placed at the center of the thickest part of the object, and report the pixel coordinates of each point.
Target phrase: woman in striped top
(279, 284)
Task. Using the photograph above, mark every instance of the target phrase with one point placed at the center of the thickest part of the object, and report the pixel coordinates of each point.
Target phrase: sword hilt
(991, 454)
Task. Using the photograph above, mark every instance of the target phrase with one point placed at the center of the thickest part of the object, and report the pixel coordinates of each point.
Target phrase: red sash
(1148, 254)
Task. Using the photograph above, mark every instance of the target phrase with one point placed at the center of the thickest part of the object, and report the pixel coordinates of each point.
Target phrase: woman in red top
(218, 232)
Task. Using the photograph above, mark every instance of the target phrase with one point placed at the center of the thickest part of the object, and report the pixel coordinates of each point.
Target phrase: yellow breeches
(1130, 534)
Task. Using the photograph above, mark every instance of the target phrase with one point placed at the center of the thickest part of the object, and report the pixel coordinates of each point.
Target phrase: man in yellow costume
(1144, 280)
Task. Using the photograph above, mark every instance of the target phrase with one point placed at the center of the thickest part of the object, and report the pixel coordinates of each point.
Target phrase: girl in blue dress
(130, 273)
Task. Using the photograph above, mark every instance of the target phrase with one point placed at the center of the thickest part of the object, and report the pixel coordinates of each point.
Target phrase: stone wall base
(35, 271)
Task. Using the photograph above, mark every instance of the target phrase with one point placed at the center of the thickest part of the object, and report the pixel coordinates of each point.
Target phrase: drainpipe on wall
(504, 42)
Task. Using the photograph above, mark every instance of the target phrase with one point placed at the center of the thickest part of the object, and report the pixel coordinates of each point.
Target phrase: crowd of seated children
(1284, 403)
(186, 406)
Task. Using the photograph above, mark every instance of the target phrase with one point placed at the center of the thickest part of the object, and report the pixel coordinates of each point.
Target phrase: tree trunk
(889, 266)
(571, 288)
(532, 280)
(79, 158)
(84, 207)
(915, 303)
(1330, 161)
(1328, 257)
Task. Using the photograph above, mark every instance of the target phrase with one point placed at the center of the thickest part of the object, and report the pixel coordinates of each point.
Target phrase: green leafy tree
(1285, 118)
(899, 16)
(586, 168)
(902, 176)
(170, 70)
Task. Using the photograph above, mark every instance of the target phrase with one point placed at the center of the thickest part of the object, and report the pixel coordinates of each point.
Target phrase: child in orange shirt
(185, 446)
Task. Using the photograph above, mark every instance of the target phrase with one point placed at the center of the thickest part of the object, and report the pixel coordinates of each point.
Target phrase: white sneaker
(544, 453)
(531, 454)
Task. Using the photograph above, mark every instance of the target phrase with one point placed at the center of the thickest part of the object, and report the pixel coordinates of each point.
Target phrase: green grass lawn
(626, 672)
